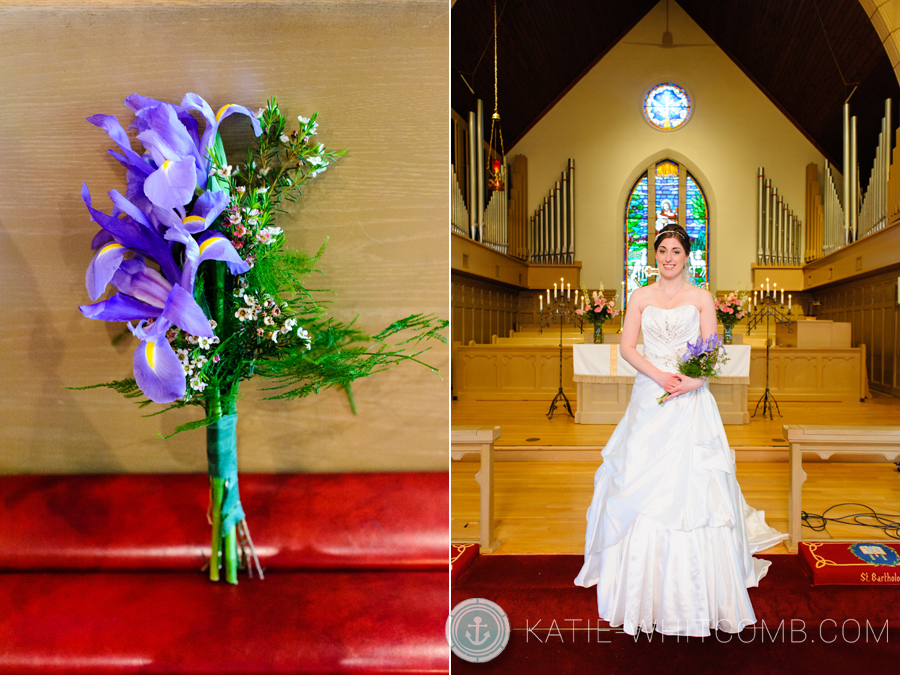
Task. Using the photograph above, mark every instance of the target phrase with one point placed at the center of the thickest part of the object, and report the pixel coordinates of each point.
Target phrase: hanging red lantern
(498, 155)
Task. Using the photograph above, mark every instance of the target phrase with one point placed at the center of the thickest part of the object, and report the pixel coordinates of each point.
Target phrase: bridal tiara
(680, 234)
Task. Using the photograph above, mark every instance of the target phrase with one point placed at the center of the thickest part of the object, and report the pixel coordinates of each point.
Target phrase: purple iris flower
(144, 294)
(695, 348)
(147, 223)
(133, 231)
(157, 370)
(207, 208)
(194, 102)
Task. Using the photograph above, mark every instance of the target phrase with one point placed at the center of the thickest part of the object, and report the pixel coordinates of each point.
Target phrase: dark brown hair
(670, 231)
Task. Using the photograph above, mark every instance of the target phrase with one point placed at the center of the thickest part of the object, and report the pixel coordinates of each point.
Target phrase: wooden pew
(825, 441)
(466, 440)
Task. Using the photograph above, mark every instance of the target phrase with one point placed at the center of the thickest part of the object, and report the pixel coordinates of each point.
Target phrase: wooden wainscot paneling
(602, 399)
(481, 309)
(510, 373)
(870, 306)
(807, 374)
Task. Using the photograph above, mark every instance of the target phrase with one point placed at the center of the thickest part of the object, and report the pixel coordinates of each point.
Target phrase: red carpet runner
(836, 629)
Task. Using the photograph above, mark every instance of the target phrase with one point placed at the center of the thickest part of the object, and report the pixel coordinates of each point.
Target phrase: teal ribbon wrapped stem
(221, 452)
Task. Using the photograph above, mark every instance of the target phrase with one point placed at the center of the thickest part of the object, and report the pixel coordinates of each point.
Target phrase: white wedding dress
(669, 535)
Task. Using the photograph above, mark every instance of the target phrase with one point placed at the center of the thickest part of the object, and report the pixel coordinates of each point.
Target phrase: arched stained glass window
(657, 198)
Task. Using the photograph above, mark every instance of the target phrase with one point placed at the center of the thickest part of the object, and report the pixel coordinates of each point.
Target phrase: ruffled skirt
(669, 536)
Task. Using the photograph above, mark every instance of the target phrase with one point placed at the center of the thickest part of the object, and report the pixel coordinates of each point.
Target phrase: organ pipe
(759, 216)
(555, 222)
(564, 216)
(777, 228)
(852, 172)
(472, 173)
(479, 144)
(558, 232)
(571, 208)
(848, 168)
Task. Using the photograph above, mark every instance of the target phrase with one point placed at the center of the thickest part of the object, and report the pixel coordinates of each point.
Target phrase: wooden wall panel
(377, 74)
(870, 305)
(485, 309)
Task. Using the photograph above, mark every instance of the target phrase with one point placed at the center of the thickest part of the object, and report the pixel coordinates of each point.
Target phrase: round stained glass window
(667, 106)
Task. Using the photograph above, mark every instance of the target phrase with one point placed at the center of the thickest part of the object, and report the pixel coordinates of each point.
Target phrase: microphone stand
(770, 311)
(562, 310)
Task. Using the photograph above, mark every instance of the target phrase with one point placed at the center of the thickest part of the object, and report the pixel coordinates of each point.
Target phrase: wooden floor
(540, 506)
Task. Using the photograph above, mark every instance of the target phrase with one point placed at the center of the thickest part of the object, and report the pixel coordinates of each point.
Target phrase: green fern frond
(190, 426)
(127, 387)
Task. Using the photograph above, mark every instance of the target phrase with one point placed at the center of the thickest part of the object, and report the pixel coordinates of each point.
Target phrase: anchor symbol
(477, 626)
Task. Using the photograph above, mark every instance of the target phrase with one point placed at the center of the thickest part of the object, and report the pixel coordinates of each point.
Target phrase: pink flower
(728, 310)
(216, 358)
(740, 315)
(579, 312)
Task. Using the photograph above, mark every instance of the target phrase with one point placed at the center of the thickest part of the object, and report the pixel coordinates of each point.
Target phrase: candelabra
(770, 310)
(560, 308)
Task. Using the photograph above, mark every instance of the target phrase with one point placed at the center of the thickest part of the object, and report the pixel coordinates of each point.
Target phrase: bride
(670, 539)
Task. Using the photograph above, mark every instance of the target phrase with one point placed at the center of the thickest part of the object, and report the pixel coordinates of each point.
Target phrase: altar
(604, 381)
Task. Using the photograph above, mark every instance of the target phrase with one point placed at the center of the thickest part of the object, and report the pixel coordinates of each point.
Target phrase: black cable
(891, 528)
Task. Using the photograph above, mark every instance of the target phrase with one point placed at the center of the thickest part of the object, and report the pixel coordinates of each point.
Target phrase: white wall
(734, 130)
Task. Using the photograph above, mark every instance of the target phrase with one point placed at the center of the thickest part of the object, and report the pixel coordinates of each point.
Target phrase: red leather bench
(102, 574)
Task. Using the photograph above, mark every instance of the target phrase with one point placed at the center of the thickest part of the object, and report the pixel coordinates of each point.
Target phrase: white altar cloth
(605, 360)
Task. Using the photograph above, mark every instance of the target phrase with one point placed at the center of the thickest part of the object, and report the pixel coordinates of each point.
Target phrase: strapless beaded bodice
(667, 332)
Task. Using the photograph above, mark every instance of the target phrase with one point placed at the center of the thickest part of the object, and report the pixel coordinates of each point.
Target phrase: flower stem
(217, 487)
(230, 551)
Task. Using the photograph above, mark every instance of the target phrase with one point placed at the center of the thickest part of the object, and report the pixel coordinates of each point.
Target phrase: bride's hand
(669, 381)
(683, 385)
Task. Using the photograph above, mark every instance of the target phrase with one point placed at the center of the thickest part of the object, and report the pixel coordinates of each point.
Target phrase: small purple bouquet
(190, 260)
(704, 358)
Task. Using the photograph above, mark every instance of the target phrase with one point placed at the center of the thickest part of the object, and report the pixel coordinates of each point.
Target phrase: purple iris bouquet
(704, 358)
(207, 287)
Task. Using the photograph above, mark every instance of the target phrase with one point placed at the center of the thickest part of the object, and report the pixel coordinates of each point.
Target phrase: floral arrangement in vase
(729, 311)
(597, 310)
(207, 286)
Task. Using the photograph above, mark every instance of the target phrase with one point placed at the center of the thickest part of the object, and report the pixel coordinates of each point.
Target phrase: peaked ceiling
(545, 47)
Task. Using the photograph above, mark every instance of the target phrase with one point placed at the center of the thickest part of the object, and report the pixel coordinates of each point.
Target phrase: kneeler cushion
(158, 521)
(307, 622)
(851, 564)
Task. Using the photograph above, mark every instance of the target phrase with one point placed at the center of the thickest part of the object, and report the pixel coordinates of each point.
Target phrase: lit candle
(568, 291)
(548, 297)
(767, 285)
(554, 289)
(782, 297)
(542, 303)
(789, 303)
(754, 299)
